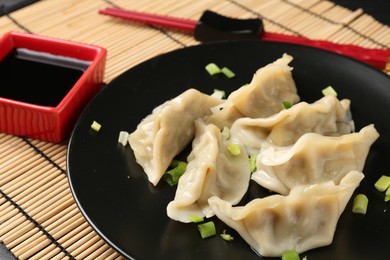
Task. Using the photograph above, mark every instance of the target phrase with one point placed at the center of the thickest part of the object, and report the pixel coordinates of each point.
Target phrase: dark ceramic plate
(114, 195)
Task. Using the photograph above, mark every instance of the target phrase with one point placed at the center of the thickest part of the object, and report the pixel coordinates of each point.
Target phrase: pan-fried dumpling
(211, 171)
(313, 158)
(270, 86)
(327, 116)
(168, 130)
(305, 219)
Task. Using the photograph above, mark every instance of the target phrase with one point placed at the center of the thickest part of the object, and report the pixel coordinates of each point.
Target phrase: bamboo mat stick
(29, 243)
(66, 240)
(38, 248)
(33, 244)
(14, 155)
(31, 232)
(99, 253)
(108, 254)
(80, 245)
(11, 223)
(52, 211)
(8, 145)
(16, 233)
(33, 247)
(7, 213)
(19, 174)
(92, 248)
(43, 204)
(74, 219)
(47, 253)
(76, 234)
(43, 181)
(35, 176)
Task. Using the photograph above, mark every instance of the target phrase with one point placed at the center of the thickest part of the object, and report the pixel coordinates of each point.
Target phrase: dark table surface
(379, 9)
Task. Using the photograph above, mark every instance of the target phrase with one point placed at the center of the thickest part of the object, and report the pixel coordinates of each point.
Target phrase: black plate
(130, 214)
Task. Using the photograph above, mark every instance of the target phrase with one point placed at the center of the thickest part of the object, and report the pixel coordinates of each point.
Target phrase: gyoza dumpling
(305, 219)
(168, 130)
(270, 86)
(313, 158)
(327, 116)
(211, 171)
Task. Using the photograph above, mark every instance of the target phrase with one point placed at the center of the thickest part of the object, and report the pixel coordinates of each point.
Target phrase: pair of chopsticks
(378, 58)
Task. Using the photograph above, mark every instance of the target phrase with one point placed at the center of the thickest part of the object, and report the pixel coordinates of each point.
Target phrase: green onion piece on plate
(290, 255)
(227, 72)
(219, 94)
(226, 236)
(207, 229)
(96, 126)
(387, 194)
(212, 69)
(252, 162)
(196, 219)
(329, 91)
(286, 104)
(360, 204)
(234, 149)
(122, 138)
(173, 175)
(382, 183)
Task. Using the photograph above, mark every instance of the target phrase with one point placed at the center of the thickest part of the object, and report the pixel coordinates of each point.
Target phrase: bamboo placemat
(38, 216)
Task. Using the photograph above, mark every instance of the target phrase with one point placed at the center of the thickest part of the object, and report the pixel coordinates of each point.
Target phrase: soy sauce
(38, 77)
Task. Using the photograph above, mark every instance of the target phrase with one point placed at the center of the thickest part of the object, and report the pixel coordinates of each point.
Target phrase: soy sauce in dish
(38, 77)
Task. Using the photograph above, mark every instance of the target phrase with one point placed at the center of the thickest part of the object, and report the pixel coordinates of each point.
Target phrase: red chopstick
(378, 58)
(181, 24)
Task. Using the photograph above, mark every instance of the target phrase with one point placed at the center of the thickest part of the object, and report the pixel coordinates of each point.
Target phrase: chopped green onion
(252, 162)
(290, 255)
(123, 136)
(227, 72)
(207, 229)
(96, 126)
(387, 193)
(387, 198)
(219, 94)
(234, 149)
(196, 219)
(286, 104)
(212, 69)
(360, 204)
(329, 91)
(173, 175)
(382, 183)
(225, 133)
(226, 237)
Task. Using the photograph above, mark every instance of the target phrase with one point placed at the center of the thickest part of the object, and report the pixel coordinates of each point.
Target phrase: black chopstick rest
(215, 27)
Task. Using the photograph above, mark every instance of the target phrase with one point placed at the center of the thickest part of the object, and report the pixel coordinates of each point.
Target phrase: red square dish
(45, 84)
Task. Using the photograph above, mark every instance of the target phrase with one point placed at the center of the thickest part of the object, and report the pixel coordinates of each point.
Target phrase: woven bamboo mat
(38, 216)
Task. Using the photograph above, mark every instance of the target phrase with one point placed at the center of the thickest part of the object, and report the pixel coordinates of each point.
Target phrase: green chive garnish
(173, 175)
(207, 229)
(290, 255)
(252, 162)
(196, 219)
(96, 126)
(212, 69)
(329, 91)
(234, 149)
(286, 104)
(227, 72)
(360, 204)
(382, 183)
